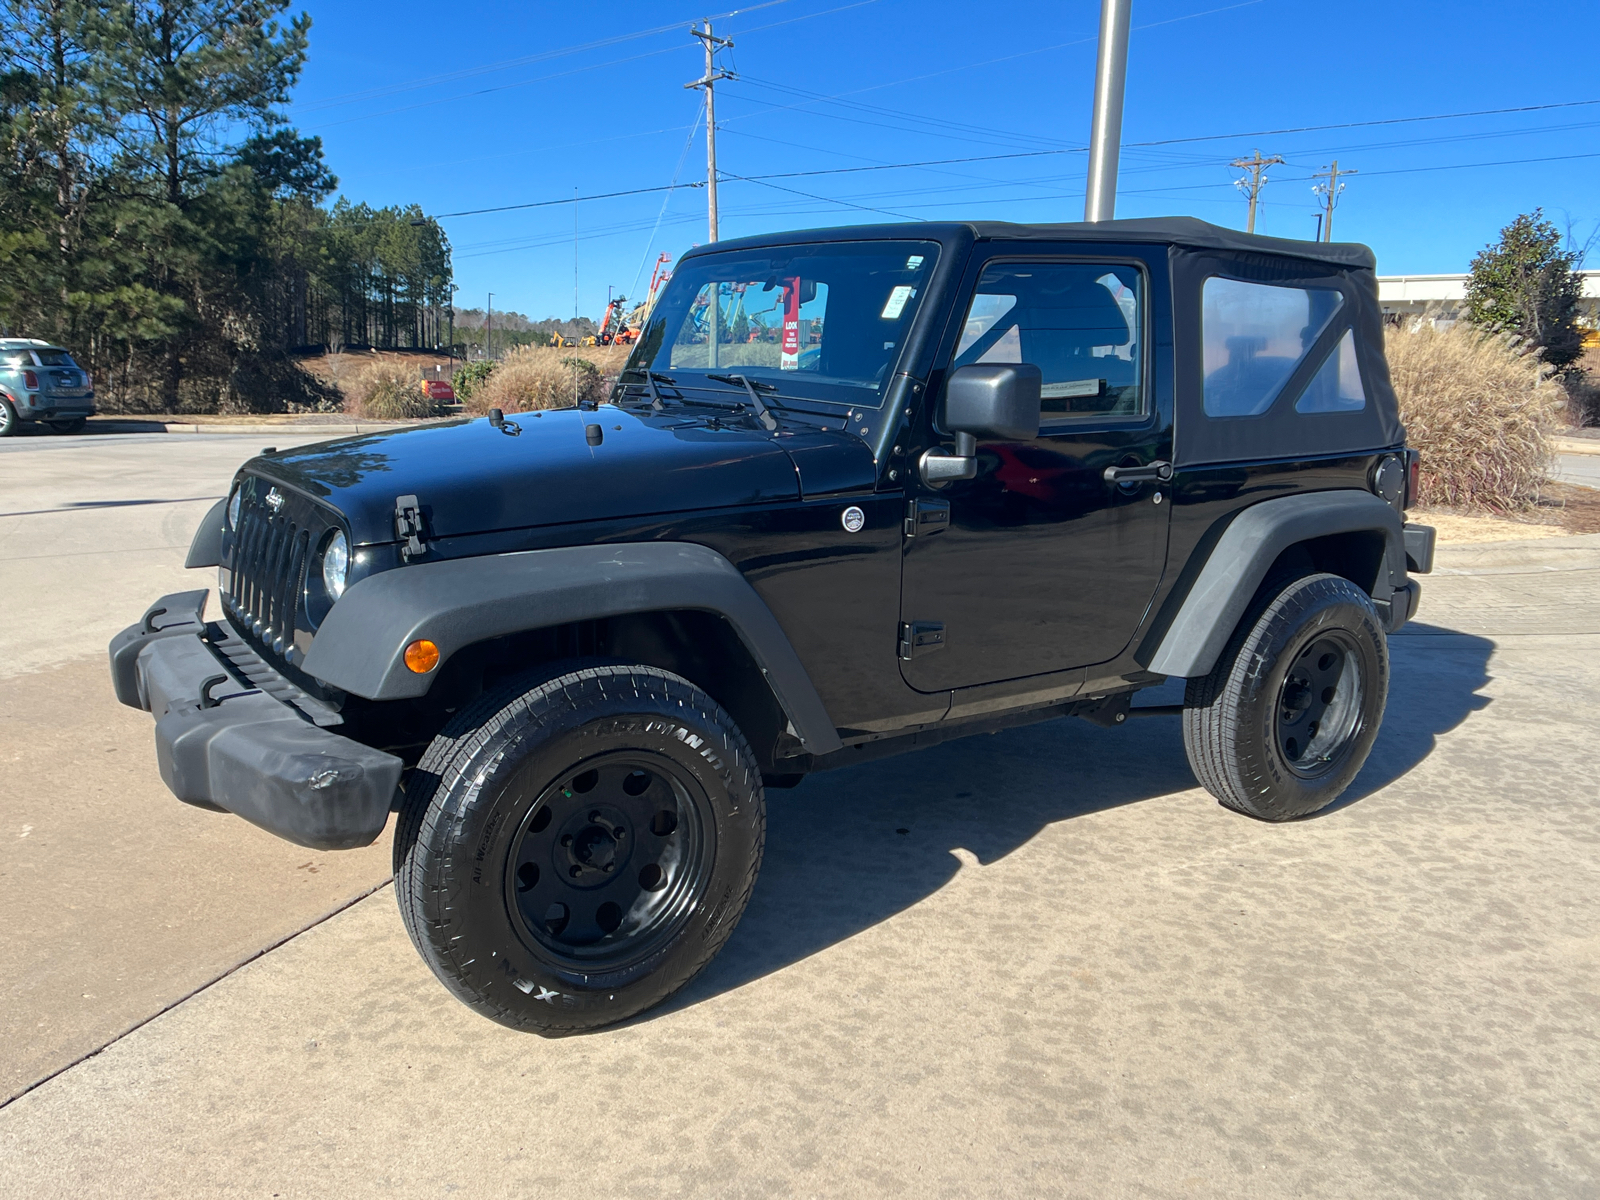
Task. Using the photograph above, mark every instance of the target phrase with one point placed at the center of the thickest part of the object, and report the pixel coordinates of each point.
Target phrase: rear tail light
(1413, 477)
(30, 380)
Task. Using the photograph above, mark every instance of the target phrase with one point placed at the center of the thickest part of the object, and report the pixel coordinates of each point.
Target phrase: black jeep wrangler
(856, 492)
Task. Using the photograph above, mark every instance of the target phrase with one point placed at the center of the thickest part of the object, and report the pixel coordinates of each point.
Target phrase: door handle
(1156, 472)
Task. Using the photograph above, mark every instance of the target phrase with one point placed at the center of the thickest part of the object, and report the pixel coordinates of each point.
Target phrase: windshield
(821, 322)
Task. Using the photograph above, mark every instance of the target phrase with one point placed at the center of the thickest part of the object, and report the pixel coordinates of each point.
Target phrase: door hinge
(920, 637)
(927, 517)
(408, 526)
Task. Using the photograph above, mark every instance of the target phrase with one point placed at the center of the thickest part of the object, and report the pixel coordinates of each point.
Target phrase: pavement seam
(206, 986)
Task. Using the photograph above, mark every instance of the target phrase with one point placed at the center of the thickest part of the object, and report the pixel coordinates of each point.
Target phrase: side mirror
(998, 400)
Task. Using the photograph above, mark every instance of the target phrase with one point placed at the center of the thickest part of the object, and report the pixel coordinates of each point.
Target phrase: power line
(507, 64)
(826, 200)
(935, 162)
(591, 67)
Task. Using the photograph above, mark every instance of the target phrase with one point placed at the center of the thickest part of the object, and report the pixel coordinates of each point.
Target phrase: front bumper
(234, 735)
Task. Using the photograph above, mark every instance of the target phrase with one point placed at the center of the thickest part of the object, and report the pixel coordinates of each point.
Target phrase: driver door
(1039, 564)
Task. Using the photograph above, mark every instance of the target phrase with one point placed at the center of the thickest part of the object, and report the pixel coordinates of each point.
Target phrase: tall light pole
(709, 81)
(1105, 132)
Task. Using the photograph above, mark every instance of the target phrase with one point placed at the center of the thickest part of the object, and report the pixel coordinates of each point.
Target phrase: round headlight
(234, 501)
(335, 565)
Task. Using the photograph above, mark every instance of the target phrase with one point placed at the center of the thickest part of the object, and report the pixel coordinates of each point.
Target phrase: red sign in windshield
(789, 360)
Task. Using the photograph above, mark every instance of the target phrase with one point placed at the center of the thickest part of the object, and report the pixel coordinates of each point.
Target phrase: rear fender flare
(1245, 553)
(360, 645)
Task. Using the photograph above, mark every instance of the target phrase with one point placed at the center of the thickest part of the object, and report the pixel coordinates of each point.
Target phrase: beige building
(1445, 296)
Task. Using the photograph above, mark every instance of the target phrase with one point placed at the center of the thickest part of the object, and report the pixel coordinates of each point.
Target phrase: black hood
(471, 478)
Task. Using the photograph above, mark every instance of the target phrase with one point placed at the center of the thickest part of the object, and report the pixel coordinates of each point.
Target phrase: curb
(1568, 445)
(169, 427)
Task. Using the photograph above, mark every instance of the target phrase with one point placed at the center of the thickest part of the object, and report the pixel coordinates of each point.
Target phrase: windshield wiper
(754, 390)
(651, 378)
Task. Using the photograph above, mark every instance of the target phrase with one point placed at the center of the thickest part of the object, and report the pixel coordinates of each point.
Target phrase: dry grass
(533, 377)
(385, 390)
(1481, 415)
(343, 369)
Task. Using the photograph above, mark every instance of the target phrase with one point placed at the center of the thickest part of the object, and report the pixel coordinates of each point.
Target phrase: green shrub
(470, 376)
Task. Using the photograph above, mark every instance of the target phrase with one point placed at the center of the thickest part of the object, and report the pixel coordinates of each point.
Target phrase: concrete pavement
(1072, 975)
(1582, 469)
(119, 901)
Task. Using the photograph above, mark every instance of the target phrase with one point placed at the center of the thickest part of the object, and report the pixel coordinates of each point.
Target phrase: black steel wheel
(610, 861)
(1319, 705)
(574, 849)
(1288, 715)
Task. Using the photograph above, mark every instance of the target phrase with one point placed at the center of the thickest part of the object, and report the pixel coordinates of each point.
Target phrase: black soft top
(1198, 251)
(1189, 232)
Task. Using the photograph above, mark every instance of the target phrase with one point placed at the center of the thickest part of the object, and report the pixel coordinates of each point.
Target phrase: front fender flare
(361, 643)
(1245, 553)
(206, 548)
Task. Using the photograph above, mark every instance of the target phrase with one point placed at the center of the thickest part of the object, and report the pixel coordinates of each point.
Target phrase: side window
(1336, 387)
(1254, 336)
(1081, 324)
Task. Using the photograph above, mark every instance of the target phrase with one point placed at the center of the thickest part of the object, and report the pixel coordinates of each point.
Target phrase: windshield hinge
(408, 526)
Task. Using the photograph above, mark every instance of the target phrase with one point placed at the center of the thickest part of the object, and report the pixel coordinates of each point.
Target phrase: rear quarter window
(1254, 336)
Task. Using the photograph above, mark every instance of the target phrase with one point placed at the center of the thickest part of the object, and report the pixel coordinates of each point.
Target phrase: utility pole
(708, 81)
(488, 326)
(574, 258)
(1105, 130)
(1329, 192)
(1257, 167)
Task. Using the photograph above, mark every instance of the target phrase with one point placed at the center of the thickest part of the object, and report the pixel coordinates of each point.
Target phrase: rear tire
(71, 425)
(9, 421)
(572, 852)
(1288, 715)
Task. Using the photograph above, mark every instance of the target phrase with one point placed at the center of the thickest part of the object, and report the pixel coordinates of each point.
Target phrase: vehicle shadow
(850, 848)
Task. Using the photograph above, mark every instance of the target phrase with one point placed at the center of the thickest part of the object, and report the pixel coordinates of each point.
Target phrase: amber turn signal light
(422, 656)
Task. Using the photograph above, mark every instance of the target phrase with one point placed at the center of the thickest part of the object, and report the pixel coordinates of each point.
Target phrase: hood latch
(408, 526)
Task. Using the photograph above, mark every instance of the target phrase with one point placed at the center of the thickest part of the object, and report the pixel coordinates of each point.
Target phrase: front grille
(268, 570)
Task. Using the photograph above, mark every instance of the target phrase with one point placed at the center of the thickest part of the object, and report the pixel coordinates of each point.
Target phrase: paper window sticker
(897, 302)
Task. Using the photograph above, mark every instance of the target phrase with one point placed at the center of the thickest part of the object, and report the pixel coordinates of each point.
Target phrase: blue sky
(484, 103)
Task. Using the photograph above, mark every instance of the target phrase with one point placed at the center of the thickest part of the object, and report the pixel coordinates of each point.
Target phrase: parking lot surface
(1039, 963)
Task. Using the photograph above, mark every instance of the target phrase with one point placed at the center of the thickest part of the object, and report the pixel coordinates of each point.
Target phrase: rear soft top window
(1278, 357)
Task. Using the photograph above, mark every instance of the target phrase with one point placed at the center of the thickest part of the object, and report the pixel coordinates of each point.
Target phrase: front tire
(573, 852)
(1288, 715)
